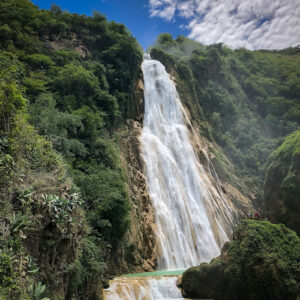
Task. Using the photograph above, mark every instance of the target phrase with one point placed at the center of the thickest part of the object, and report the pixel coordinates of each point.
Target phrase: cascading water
(192, 219)
(144, 288)
(189, 230)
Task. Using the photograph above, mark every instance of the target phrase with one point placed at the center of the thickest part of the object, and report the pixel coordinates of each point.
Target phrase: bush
(88, 269)
(7, 273)
(39, 61)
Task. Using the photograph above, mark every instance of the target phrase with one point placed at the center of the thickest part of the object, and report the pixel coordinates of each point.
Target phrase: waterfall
(192, 219)
(189, 229)
(144, 288)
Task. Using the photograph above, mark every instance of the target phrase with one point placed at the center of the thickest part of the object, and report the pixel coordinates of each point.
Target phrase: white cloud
(253, 24)
(162, 8)
(186, 9)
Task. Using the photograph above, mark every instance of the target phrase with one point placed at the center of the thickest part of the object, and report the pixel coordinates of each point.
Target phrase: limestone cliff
(215, 163)
(137, 251)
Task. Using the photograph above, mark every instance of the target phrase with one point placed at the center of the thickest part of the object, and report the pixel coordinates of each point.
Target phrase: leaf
(22, 235)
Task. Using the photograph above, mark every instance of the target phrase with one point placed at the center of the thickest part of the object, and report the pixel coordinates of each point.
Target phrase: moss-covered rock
(205, 281)
(262, 262)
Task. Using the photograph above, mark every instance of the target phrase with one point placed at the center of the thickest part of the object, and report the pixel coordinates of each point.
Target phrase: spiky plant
(37, 292)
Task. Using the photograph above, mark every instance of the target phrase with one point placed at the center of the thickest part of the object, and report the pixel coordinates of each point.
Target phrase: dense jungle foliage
(248, 102)
(66, 86)
(282, 188)
(262, 262)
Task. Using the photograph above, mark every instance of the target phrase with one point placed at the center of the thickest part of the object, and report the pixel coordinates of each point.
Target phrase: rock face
(136, 109)
(73, 43)
(262, 262)
(141, 253)
(238, 203)
(141, 237)
(137, 253)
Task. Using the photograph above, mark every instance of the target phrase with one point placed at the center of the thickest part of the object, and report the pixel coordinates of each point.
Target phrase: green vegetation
(262, 262)
(179, 47)
(282, 183)
(245, 101)
(38, 292)
(66, 86)
(33, 229)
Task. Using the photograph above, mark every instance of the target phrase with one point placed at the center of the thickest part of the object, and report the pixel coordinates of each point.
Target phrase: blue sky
(252, 24)
(133, 13)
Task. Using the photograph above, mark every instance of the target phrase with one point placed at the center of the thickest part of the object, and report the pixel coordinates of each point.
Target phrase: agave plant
(20, 223)
(61, 207)
(49, 199)
(37, 292)
(32, 266)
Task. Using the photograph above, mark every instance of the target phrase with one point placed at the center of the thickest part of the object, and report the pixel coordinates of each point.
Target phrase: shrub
(39, 61)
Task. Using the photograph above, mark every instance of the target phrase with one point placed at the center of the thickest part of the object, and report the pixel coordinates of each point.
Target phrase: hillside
(67, 85)
(246, 102)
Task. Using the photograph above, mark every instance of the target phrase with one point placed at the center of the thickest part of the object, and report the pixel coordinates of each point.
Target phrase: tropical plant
(37, 291)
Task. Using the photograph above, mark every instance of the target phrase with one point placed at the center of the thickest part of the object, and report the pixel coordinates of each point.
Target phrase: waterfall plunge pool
(177, 272)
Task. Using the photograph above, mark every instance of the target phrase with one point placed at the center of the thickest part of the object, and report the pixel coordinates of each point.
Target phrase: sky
(252, 24)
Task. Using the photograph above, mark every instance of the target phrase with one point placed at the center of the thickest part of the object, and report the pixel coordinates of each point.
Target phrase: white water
(192, 219)
(144, 288)
(189, 229)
